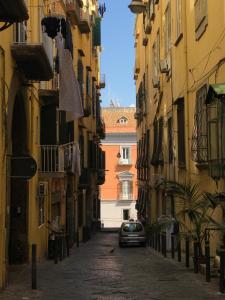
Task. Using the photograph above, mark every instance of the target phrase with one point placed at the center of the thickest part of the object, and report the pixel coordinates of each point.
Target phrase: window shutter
(97, 32)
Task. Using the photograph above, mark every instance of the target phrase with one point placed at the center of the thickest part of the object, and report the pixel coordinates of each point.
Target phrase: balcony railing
(73, 8)
(33, 51)
(70, 158)
(124, 161)
(85, 21)
(52, 159)
(126, 196)
(102, 81)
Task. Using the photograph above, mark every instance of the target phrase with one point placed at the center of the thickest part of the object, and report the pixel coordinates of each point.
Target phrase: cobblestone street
(99, 269)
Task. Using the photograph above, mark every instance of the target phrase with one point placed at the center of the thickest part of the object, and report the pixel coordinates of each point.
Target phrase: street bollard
(78, 239)
(195, 258)
(162, 244)
(207, 256)
(67, 245)
(187, 250)
(56, 250)
(34, 267)
(159, 244)
(179, 250)
(165, 245)
(222, 269)
(172, 245)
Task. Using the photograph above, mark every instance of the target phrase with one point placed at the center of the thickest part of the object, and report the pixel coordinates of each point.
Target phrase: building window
(170, 140)
(88, 83)
(167, 33)
(181, 132)
(125, 155)
(199, 137)
(122, 120)
(157, 156)
(41, 210)
(126, 214)
(156, 58)
(201, 17)
(178, 21)
(80, 78)
(126, 190)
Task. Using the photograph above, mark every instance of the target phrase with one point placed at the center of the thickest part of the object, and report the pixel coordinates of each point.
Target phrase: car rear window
(132, 227)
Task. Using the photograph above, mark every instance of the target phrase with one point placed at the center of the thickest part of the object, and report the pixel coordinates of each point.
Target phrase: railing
(52, 159)
(102, 81)
(124, 161)
(126, 196)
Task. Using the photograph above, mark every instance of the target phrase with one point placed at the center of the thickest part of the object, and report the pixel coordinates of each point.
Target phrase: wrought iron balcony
(34, 59)
(85, 21)
(13, 11)
(52, 160)
(124, 196)
(100, 127)
(102, 81)
(122, 161)
(73, 10)
(70, 159)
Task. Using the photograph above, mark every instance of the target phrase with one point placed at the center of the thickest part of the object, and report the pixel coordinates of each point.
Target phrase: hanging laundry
(69, 92)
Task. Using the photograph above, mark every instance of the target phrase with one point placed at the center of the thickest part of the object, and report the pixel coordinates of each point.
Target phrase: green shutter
(97, 32)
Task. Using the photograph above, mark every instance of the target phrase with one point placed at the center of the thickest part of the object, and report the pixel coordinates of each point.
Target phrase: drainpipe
(187, 150)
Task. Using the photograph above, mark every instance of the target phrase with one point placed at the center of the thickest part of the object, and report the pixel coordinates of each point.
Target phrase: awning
(215, 91)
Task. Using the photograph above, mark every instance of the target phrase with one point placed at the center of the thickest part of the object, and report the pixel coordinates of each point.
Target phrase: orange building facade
(119, 192)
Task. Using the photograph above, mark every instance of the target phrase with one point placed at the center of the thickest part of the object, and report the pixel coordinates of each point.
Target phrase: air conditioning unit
(155, 82)
(43, 188)
(164, 65)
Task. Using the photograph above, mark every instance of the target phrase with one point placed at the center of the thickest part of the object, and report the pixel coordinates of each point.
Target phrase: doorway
(18, 232)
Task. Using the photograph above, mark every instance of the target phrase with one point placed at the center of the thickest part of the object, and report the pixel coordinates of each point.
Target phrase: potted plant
(195, 213)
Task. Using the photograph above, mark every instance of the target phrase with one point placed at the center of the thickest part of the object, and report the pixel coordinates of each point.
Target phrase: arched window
(122, 120)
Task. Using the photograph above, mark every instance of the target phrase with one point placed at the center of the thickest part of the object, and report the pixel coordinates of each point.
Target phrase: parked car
(132, 233)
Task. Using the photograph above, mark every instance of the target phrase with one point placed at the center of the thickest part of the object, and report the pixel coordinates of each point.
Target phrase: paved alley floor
(99, 269)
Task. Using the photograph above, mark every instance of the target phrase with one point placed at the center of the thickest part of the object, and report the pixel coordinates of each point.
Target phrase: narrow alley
(99, 269)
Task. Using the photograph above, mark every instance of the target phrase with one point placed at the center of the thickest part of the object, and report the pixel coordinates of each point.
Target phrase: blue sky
(117, 58)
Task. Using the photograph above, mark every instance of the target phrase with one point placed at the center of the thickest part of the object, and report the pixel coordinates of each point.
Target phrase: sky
(117, 57)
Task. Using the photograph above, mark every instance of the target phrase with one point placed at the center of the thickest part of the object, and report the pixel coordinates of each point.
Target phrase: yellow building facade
(179, 59)
(49, 182)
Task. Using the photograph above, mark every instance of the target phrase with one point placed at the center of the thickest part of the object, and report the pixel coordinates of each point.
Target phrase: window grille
(199, 137)
(181, 132)
(154, 154)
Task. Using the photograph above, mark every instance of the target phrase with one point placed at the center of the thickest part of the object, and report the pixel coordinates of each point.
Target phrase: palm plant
(196, 210)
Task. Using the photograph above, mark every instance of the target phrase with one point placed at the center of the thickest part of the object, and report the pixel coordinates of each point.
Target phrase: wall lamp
(137, 6)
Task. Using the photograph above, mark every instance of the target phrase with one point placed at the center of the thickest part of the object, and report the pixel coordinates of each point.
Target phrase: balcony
(51, 161)
(70, 158)
(73, 9)
(85, 21)
(100, 128)
(102, 81)
(34, 59)
(124, 196)
(13, 11)
(124, 161)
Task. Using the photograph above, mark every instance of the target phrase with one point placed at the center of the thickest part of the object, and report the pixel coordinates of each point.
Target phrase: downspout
(187, 150)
